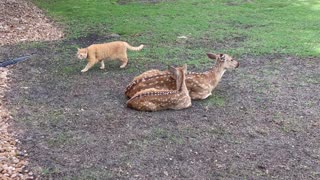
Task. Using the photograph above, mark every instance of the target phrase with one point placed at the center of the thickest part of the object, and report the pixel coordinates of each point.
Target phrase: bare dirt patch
(20, 21)
(262, 122)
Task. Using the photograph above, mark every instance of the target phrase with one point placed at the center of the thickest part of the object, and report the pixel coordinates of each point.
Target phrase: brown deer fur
(99, 52)
(155, 99)
(200, 85)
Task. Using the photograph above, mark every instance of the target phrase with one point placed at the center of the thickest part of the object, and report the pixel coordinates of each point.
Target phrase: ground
(22, 21)
(261, 122)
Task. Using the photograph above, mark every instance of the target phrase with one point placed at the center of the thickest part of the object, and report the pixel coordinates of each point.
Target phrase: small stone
(5, 166)
(19, 170)
(15, 160)
(182, 37)
(114, 35)
(20, 153)
(4, 171)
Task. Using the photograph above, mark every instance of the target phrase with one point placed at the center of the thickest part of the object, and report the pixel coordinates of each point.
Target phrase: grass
(254, 27)
(77, 113)
(215, 100)
(60, 139)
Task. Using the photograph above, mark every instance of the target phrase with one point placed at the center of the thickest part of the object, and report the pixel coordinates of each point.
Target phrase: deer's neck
(216, 73)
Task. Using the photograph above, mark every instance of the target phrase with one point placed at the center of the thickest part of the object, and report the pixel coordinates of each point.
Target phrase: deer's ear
(212, 56)
(222, 57)
(185, 67)
(171, 69)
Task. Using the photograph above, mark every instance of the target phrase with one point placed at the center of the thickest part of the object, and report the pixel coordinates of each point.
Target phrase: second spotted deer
(156, 99)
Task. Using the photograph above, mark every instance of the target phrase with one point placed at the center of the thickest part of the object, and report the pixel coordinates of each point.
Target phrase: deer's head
(224, 60)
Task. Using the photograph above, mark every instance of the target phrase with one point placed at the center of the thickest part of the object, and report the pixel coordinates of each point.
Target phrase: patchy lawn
(262, 121)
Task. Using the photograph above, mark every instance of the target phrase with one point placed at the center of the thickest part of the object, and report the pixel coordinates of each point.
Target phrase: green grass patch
(239, 27)
(60, 139)
(215, 100)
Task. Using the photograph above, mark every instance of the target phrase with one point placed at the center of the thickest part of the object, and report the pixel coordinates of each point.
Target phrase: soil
(262, 121)
(20, 21)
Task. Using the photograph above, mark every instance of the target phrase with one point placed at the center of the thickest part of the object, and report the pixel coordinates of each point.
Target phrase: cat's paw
(84, 70)
(101, 67)
(123, 66)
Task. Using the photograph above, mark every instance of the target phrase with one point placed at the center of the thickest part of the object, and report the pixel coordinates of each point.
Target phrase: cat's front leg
(102, 65)
(84, 70)
(88, 66)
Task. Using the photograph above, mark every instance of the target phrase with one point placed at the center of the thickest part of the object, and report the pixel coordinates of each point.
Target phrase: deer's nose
(238, 65)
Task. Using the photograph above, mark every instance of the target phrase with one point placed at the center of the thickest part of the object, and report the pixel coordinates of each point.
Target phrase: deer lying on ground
(200, 85)
(153, 99)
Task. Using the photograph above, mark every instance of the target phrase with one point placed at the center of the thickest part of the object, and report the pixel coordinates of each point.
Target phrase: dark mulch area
(21, 20)
(77, 125)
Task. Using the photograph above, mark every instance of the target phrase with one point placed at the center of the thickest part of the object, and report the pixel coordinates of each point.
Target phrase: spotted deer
(151, 79)
(200, 85)
(153, 99)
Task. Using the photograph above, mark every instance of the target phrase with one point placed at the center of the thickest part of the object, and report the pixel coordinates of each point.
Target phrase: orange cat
(99, 52)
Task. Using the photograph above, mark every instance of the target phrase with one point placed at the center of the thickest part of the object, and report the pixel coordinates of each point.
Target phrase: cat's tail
(133, 48)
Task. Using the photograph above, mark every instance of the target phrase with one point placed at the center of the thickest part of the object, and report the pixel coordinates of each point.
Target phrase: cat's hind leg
(88, 66)
(124, 62)
(102, 65)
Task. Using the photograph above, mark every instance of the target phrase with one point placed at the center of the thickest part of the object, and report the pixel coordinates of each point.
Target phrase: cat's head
(82, 53)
